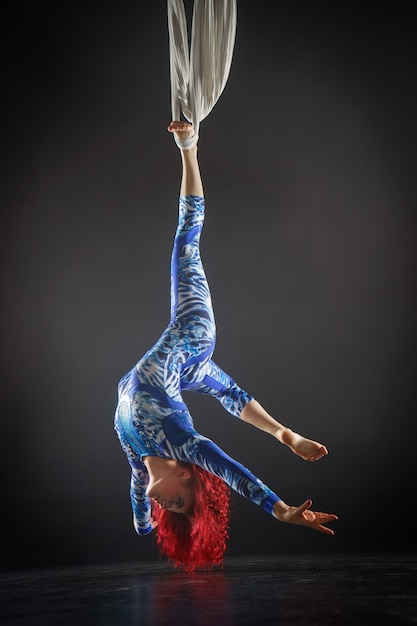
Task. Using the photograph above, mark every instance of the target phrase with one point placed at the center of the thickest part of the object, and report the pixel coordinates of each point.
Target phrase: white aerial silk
(199, 76)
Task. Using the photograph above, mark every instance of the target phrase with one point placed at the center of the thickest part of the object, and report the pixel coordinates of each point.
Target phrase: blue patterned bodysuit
(151, 417)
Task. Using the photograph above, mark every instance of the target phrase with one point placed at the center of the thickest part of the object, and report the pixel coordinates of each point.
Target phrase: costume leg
(191, 307)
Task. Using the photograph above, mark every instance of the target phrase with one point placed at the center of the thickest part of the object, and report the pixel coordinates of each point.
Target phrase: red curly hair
(199, 539)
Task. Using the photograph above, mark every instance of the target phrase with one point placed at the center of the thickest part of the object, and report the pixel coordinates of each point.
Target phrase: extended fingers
(315, 519)
(324, 518)
(324, 529)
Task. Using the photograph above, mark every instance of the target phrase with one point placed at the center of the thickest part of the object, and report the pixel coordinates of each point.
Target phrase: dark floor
(344, 589)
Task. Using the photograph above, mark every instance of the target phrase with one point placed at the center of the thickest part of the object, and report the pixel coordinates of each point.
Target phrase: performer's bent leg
(307, 449)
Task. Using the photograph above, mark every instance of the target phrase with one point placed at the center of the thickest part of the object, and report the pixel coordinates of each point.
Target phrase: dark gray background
(308, 161)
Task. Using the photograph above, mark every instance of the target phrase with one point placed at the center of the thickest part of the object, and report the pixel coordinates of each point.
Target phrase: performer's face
(173, 491)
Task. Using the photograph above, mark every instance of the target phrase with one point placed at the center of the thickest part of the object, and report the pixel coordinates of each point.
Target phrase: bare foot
(307, 449)
(183, 130)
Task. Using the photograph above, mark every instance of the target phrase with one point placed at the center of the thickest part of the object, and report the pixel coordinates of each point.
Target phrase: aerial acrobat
(180, 479)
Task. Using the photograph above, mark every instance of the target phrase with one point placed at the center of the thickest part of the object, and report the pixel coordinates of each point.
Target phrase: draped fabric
(199, 74)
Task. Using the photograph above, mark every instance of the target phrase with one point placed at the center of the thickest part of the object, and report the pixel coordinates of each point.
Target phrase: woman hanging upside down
(180, 479)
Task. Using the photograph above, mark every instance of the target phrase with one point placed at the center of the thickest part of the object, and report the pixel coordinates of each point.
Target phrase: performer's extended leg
(191, 307)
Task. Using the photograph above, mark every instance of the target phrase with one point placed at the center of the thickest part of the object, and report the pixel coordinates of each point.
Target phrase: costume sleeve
(141, 505)
(221, 386)
(215, 460)
(186, 444)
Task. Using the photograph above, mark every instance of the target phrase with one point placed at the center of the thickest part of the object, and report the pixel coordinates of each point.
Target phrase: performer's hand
(302, 516)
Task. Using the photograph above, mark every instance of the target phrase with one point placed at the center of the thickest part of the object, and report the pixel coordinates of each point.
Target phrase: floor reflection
(199, 598)
(335, 590)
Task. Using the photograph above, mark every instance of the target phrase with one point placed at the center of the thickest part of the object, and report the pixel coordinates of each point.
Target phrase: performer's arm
(205, 453)
(141, 505)
(239, 478)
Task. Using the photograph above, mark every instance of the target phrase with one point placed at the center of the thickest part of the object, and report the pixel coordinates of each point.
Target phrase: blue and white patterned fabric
(151, 416)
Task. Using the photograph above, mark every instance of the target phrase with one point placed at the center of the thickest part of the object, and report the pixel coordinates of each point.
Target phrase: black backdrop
(308, 162)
